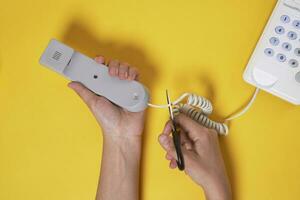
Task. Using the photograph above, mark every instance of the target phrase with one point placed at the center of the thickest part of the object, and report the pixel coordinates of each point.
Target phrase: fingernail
(113, 71)
(110, 71)
(122, 76)
(173, 165)
(70, 85)
(162, 138)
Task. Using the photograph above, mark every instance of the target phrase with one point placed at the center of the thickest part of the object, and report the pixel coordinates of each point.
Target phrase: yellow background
(50, 144)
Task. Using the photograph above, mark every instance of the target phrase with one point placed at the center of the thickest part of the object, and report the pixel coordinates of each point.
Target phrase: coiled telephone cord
(199, 108)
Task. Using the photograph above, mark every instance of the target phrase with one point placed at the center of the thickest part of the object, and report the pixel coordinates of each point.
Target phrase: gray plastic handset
(130, 95)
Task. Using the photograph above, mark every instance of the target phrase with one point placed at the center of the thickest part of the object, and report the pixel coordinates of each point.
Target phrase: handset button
(263, 78)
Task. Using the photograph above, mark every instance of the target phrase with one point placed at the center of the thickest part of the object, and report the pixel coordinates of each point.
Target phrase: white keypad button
(274, 41)
(269, 52)
(281, 57)
(292, 35)
(293, 63)
(297, 52)
(285, 19)
(287, 46)
(297, 77)
(280, 30)
(296, 24)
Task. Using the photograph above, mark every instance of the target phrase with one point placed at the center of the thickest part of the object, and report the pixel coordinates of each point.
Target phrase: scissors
(176, 136)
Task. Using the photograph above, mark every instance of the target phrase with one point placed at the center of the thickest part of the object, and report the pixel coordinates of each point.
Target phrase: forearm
(219, 190)
(119, 176)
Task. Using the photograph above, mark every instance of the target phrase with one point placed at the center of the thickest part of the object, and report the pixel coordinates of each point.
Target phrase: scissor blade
(176, 137)
(170, 106)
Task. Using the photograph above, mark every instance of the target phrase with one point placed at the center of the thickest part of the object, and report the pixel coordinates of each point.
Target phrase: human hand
(112, 119)
(202, 156)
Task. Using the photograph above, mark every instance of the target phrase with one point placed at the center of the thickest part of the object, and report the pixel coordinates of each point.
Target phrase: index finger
(190, 126)
(168, 128)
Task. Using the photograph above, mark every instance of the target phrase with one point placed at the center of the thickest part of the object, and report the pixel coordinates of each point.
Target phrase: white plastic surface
(270, 71)
(297, 1)
(263, 78)
(130, 95)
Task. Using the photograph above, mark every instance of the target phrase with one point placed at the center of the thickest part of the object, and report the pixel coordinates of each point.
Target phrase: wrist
(120, 139)
(123, 144)
(127, 133)
(120, 166)
(218, 190)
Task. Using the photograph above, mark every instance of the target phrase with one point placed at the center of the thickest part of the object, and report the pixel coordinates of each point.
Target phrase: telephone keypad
(281, 57)
(274, 41)
(285, 19)
(293, 63)
(296, 24)
(280, 30)
(286, 47)
(292, 35)
(269, 52)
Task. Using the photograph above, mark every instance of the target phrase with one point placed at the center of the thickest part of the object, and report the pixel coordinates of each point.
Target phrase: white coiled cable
(199, 108)
(199, 116)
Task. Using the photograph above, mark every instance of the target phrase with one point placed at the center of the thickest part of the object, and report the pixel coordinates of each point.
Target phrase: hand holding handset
(130, 95)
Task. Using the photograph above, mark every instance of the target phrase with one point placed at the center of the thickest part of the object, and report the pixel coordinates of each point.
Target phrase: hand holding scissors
(176, 136)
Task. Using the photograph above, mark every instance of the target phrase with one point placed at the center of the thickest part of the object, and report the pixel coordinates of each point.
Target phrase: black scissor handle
(177, 144)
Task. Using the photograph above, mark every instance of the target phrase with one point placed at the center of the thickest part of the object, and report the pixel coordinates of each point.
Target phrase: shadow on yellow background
(80, 38)
(83, 40)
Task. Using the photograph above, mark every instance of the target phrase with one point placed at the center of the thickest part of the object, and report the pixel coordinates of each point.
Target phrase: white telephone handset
(130, 95)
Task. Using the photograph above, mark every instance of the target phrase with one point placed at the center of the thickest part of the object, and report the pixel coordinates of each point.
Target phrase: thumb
(166, 141)
(86, 95)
